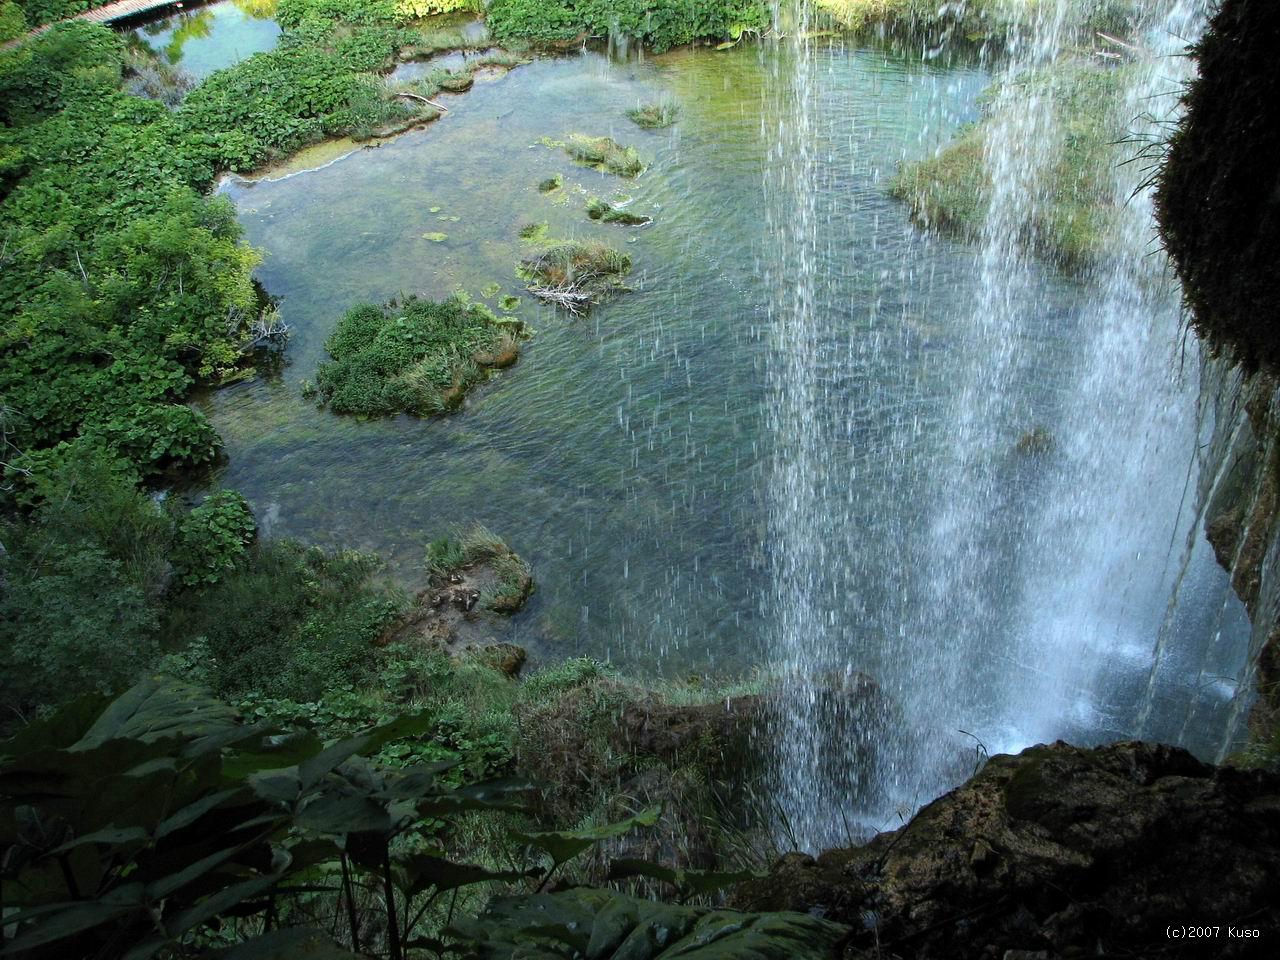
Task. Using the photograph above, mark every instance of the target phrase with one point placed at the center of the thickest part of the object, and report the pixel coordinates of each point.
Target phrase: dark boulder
(1060, 851)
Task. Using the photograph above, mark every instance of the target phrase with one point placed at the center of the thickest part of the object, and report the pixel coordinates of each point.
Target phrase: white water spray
(1022, 598)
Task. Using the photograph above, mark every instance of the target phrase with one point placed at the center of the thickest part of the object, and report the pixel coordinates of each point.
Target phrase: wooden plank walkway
(123, 9)
(120, 10)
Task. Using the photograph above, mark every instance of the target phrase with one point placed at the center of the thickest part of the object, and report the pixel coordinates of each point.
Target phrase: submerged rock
(606, 212)
(1060, 849)
(1035, 442)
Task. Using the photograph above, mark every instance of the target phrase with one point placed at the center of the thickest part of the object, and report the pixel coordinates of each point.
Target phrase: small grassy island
(575, 275)
(418, 357)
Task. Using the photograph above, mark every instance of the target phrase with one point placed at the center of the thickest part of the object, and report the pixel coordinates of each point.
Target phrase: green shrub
(293, 13)
(418, 357)
(82, 578)
(418, 9)
(13, 23)
(661, 25)
(214, 538)
(69, 60)
(287, 621)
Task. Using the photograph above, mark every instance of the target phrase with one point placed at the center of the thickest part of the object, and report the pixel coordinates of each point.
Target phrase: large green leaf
(271, 753)
(335, 814)
(291, 943)
(422, 871)
(564, 845)
(156, 709)
(58, 731)
(606, 925)
(686, 881)
(330, 758)
(59, 921)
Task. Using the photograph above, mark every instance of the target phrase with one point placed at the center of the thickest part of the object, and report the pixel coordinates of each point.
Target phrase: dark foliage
(1218, 191)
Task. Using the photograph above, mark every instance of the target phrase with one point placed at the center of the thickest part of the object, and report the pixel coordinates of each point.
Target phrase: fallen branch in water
(565, 295)
(417, 96)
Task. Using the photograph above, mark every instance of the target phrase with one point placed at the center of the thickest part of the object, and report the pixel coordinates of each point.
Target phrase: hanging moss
(1218, 191)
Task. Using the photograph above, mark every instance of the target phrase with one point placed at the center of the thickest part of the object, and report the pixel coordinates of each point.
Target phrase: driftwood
(566, 295)
(417, 96)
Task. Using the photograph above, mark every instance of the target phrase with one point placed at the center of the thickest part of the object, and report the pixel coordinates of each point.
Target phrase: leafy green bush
(274, 103)
(13, 23)
(417, 9)
(288, 621)
(39, 76)
(564, 922)
(214, 538)
(162, 821)
(292, 13)
(661, 25)
(417, 357)
(82, 580)
(39, 12)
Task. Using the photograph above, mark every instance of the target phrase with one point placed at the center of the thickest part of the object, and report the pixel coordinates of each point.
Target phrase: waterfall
(1064, 592)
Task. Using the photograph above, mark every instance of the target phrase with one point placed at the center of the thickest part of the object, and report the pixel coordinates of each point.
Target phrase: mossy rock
(654, 116)
(458, 82)
(604, 154)
(605, 212)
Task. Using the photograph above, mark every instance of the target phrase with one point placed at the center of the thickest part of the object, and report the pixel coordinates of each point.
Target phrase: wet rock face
(1061, 850)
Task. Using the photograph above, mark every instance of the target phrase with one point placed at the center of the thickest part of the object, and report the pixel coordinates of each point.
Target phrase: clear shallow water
(622, 455)
(202, 39)
(633, 457)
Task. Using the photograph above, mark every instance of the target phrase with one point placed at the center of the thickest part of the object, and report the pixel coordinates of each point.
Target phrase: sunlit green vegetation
(661, 25)
(981, 19)
(604, 154)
